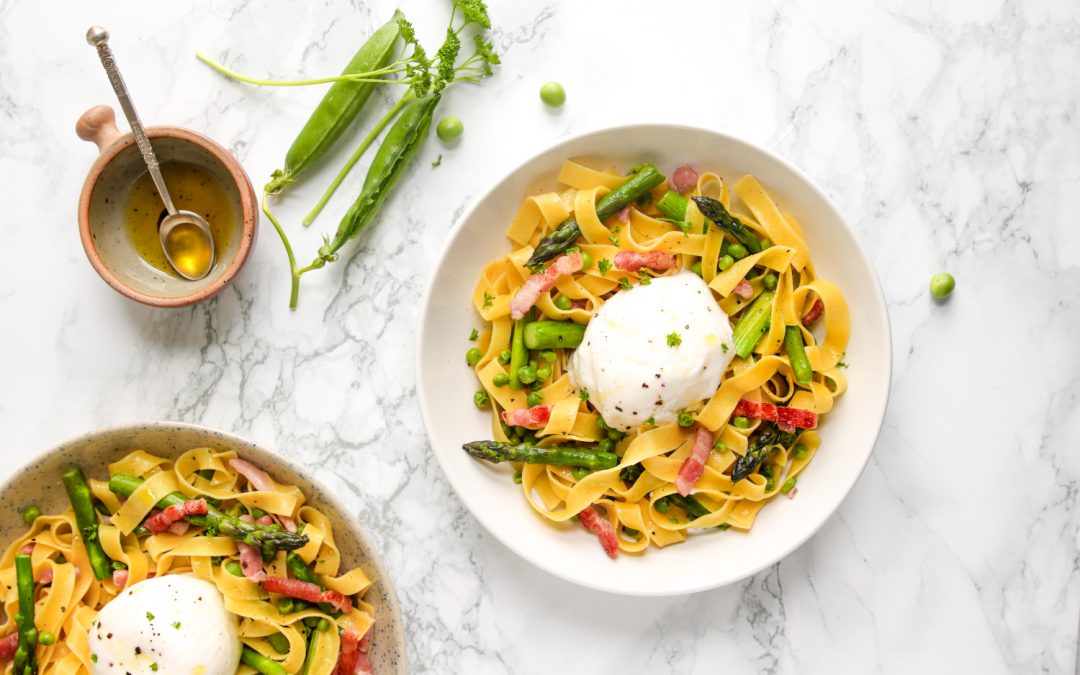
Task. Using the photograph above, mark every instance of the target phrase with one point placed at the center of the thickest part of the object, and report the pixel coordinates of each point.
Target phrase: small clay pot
(101, 209)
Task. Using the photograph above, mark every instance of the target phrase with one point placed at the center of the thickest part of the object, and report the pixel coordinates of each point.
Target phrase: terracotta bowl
(101, 209)
(39, 483)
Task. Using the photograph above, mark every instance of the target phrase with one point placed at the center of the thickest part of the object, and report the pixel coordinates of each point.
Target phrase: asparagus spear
(24, 662)
(796, 351)
(268, 540)
(519, 355)
(553, 334)
(557, 455)
(301, 571)
(753, 323)
(279, 642)
(86, 518)
(641, 181)
(261, 664)
(755, 454)
(715, 211)
(672, 205)
(692, 506)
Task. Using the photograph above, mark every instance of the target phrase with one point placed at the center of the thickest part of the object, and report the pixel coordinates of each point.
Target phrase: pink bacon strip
(538, 284)
(693, 467)
(535, 417)
(632, 261)
(162, 520)
(601, 527)
(683, 178)
(303, 590)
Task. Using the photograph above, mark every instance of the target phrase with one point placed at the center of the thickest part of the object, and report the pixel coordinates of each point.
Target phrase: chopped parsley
(474, 335)
(604, 265)
(723, 345)
(437, 162)
(149, 616)
(645, 279)
(674, 340)
(489, 300)
(840, 363)
(176, 625)
(613, 239)
(153, 666)
(583, 395)
(93, 657)
(651, 421)
(624, 283)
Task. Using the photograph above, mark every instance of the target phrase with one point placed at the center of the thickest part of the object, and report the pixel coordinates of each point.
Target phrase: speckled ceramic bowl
(104, 194)
(39, 483)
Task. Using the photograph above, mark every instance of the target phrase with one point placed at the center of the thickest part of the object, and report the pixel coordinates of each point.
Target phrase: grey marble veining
(947, 132)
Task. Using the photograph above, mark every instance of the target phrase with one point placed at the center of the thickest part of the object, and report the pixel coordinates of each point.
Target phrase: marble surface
(947, 132)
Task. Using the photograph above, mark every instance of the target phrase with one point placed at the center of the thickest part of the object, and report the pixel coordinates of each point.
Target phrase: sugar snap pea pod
(641, 181)
(339, 107)
(395, 153)
(553, 334)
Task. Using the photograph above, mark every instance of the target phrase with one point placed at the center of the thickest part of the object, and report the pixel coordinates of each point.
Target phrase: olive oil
(193, 188)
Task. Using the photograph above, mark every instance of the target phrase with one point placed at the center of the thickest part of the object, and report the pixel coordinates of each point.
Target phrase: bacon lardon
(601, 527)
(780, 415)
(744, 290)
(535, 417)
(538, 284)
(684, 178)
(632, 261)
(814, 313)
(162, 520)
(308, 592)
(693, 467)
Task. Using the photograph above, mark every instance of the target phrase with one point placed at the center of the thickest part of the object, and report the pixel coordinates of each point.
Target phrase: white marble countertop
(948, 136)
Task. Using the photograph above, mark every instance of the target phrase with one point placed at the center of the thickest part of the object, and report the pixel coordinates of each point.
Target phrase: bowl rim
(249, 213)
(518, 547)
(327, 496)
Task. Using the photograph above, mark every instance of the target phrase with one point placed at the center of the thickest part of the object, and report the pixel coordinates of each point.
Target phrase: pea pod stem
(374, 77)
(360, 150)
(294, 273)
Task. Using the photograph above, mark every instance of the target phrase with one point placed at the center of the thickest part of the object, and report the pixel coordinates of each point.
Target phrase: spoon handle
(98, 37)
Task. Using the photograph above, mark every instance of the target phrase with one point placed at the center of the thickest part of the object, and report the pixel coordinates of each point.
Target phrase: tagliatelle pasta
(757, 453)
(69, 597)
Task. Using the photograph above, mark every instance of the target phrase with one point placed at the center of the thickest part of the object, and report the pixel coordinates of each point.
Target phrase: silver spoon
(177, 229)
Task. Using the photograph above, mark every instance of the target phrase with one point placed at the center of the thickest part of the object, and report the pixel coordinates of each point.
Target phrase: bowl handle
(98, 124)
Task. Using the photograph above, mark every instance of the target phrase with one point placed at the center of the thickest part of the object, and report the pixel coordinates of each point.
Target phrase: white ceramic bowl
(706, 559)
(39, 483)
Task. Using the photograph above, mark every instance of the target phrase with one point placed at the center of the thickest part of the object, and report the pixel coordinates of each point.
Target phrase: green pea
(725, 263)
(800, 451)
(527, 374)
(233, 568)
(719, 446)
(285, 606)
(662, 505)
(324, 625)
(563, 302)
(500, 379)
(480, 398)
(580, 472)
(606, 445)
(553, 94)
(586, 260)
(312, 622)
(766, 470)
(548, 355)
(686, 419)
(473, 356)
(449, 129)
(789, 484)
(770, 281)
(543, 373)
(696, 268)
(737, 251)
(504, 356)
(942, 285)
(602, 424)
(534, 398)
(766, 243)
(631, 533)
(47, 638)
(532, 363)
(786, 439)
(615, 435)
(517, 477)
(30, 514)
(770, 485)
(741, 422)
